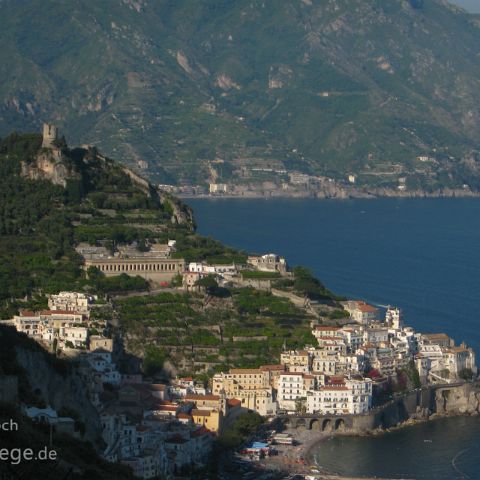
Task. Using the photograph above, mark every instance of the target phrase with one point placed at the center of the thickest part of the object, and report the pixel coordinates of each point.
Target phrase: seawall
(419, 405)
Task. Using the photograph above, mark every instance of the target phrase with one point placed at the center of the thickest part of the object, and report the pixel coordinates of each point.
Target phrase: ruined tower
(50, 134)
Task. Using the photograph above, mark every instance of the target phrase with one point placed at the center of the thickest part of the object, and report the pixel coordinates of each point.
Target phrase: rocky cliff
(52, 165)
(60, 391)
(459, 400)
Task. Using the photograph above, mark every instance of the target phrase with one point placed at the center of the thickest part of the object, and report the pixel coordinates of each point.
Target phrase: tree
(466, 374)
(210, 284)
(207, 282)
(301, 405)
(154, 359)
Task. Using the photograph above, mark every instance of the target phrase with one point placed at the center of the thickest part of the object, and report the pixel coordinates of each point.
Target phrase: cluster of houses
(339, 376)
(156, 429)
(157, 264)
(159, 429)
(166, 429)
(66, 324)
(268, 263)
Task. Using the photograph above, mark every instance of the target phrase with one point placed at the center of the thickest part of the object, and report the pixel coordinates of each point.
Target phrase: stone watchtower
(50, 135)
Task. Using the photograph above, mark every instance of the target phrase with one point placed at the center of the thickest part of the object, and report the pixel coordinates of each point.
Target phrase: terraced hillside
(53, 199)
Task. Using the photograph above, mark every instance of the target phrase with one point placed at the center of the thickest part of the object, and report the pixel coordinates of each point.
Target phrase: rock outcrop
(52, 165)
(59, 390)
(458, 400)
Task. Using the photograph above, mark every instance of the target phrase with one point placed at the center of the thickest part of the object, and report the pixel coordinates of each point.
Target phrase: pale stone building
(70, 301)
(291, 390)
(296, 361)
(351, 397)
(253, 387)
(360, 311)
(50, 135)
(99, 342)
(268, 263)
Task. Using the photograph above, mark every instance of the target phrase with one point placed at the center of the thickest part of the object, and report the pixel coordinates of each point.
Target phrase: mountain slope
(52, 199)
(177, 87)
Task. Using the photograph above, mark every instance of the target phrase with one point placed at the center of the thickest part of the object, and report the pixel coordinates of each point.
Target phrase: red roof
(28, 313)
(324, 328)
(264, 368)
(366, 308)
(201, 397)
(233, 402)
(201, 413)
(185, 416)
(186, 379)
(339, 379)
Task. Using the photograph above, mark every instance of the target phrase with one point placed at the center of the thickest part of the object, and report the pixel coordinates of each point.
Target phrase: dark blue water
(438, 450)
(420, 255)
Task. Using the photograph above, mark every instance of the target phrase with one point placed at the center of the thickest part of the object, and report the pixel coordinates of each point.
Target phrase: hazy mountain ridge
(327, 87)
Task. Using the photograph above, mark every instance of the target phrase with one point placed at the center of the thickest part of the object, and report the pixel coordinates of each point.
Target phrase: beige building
(440, 339)
(102, 343)
(253, 387)
(70, 301)
(211, 419)
(296, 361)
(154, 265)
(268, 263)
(152, 269)
(360, 311)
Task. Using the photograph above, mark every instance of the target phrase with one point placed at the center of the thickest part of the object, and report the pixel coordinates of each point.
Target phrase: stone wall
(421, 404)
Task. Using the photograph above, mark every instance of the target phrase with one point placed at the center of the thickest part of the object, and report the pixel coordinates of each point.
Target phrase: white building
(76, 335)
(269, 262)
(353, 337)
(352, 397)
(292, 388)
(218, 188)
(325, 362)
(70, 301)
(375, 335)
(360, 311)
(393, 318)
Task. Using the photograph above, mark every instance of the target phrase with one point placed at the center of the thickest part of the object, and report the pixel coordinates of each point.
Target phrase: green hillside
(41, 222)
(97, 202)
(326, 87)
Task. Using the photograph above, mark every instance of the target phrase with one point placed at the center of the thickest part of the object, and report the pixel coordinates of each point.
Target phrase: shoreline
(454, 194)
(309, 440)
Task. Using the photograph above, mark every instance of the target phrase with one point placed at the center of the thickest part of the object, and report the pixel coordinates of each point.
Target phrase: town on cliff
(164, 428)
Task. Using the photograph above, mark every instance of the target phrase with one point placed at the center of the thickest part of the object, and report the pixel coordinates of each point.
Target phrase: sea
(422, 255)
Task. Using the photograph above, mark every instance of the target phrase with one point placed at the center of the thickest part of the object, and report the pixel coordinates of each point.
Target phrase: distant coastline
(339, 195)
